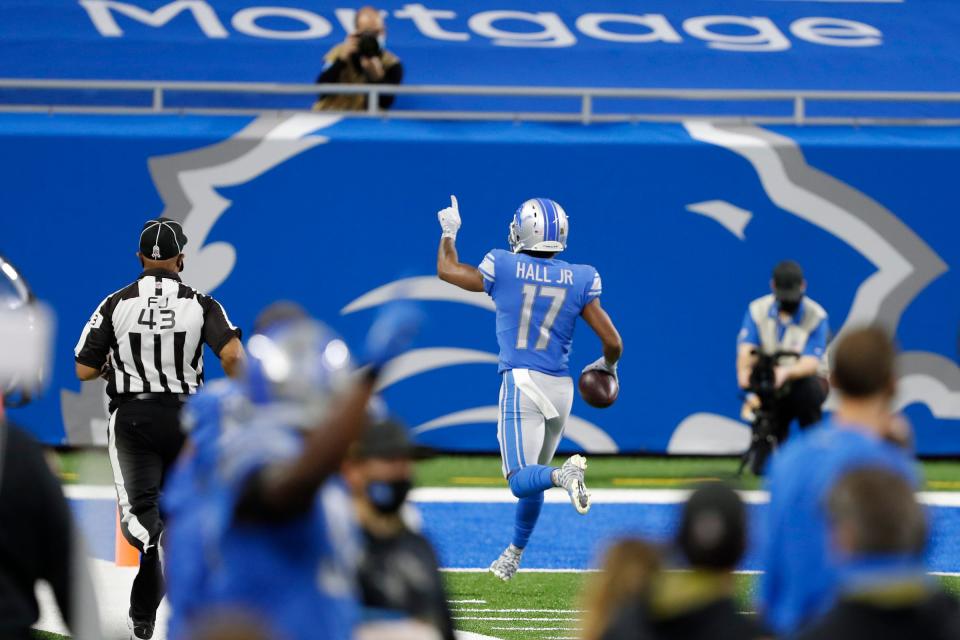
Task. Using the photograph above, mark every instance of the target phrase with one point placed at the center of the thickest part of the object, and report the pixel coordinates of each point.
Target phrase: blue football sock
(528, 510)
(531, 480)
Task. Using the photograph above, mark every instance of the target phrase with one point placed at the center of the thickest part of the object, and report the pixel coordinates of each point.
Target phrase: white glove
(601, 364)
(450, 219)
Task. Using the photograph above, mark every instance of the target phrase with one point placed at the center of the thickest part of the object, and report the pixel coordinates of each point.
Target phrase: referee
(147, 341)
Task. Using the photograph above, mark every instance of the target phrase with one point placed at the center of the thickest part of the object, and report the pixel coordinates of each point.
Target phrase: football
(598, 388)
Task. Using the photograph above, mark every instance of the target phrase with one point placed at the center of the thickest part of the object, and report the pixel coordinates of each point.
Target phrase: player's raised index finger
(453, 202)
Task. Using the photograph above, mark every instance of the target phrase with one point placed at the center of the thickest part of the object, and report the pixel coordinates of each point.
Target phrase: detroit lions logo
(902, 264)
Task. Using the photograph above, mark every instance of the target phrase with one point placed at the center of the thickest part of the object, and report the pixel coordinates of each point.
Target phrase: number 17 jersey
(538, 301)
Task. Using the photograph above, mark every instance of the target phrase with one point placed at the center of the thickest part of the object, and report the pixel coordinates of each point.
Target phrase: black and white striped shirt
(152, 332)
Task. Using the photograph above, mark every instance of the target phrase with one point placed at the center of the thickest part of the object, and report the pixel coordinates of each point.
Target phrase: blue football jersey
(538, 301)
(298, 576)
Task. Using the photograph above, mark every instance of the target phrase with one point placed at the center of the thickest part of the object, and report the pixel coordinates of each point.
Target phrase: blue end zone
(472, 535)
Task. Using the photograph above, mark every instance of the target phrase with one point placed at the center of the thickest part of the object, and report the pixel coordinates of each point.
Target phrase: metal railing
(155, 97)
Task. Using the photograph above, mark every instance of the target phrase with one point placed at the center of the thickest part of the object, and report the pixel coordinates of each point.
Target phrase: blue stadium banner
(788, 44)
(684, 222)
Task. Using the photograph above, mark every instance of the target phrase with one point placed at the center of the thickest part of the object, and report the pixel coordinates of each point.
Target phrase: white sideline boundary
(90, 491)
(598, 496)
(744, 572)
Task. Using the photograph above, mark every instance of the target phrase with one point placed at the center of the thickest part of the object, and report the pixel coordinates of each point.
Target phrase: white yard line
(483, 570)
(461, 610)
(516, 619)
(745, 572)
(467, 601)
(598, 496)
(624, 496)
(534, 628)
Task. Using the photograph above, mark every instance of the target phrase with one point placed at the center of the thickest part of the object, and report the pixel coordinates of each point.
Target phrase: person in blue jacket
(800, 580)
(260, 521)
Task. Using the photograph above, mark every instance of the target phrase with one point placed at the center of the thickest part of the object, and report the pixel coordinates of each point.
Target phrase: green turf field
(624, 472)
(538, 606)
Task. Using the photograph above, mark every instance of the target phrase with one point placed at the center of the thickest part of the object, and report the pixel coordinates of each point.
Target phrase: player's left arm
(93, 349)
(449, 267)
(598, 320)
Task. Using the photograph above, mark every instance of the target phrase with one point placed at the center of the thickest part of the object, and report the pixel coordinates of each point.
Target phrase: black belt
(171, 398)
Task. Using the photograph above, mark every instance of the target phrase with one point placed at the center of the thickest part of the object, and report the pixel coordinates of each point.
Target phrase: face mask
(388, 497)
(789, 307)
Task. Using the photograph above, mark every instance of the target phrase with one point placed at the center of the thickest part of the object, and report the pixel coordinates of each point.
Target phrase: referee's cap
(162, 239)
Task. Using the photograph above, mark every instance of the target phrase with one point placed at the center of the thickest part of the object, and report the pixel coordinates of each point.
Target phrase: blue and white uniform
(296, 576)
(538, 302)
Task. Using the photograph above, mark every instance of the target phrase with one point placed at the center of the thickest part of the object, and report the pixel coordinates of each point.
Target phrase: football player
(538, 300)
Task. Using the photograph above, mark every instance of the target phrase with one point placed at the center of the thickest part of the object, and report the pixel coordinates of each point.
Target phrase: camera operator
(792, 329)
(360, 59)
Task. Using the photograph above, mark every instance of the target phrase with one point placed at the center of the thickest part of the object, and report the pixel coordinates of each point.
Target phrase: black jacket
(401, 574)
(934, 617)
(718, 620)
(36, 534)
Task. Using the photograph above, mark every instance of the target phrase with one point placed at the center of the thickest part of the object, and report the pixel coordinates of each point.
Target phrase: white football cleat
(571, 479)
(507, 565)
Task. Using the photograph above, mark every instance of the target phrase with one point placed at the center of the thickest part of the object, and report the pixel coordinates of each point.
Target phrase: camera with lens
(368, 46)
(763, 383)
(763, 380)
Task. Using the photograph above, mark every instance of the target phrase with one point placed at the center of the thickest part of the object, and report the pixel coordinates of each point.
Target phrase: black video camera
(763, 383)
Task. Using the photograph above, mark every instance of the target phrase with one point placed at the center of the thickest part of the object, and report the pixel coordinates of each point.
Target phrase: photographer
(360, 59)
(791, 329)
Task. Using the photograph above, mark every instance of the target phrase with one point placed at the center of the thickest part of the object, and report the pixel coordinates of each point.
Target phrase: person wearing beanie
(693, 599)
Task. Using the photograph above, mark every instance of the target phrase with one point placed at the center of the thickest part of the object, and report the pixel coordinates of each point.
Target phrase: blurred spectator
(880, 532)
(399, 576)
(360, 59)
(625, 575)
(229, 624)
(800, 579)
(38, 541)
(696, 601)
(260, 519)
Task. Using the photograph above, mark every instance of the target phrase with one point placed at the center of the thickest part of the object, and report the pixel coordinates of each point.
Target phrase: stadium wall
(747, 44)
(684, 223)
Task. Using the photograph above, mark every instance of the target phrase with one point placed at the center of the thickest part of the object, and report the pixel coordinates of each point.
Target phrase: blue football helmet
(294, 369)
(540, 224)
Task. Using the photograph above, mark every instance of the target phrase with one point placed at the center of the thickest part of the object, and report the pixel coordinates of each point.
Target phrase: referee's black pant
(144, 439)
